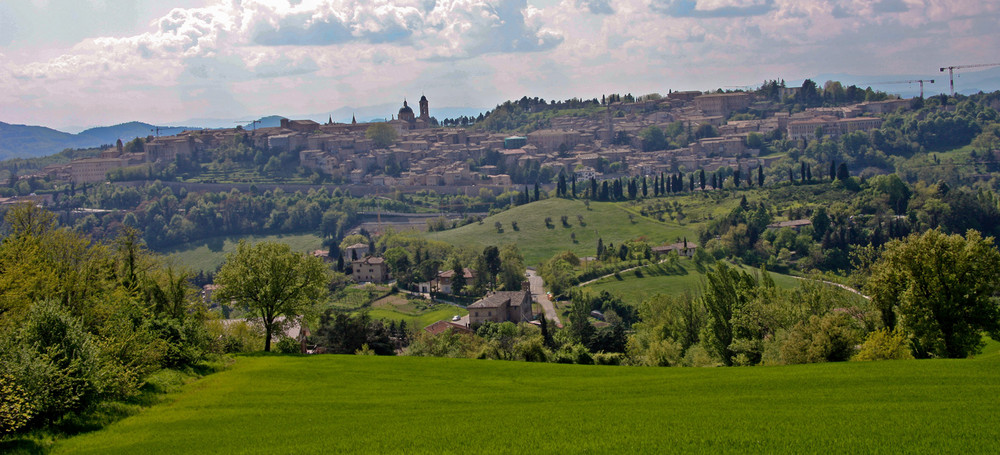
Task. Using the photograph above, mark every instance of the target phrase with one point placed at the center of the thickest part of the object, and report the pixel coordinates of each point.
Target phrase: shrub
(830, 338)
(288, 345)
(884, 344)
(55, 361)
(609, 358)
(698, 356)
(15, 408)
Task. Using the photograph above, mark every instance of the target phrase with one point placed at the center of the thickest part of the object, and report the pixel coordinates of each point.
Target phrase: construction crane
(951, 72)
(920, 81)
(253, 123)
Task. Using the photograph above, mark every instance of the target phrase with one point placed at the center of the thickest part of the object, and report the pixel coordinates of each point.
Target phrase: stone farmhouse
(502, 306)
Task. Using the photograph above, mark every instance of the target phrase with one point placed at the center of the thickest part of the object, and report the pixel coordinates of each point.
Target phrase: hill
(605, 220)
(25, 141)
(364, 404)
(635, 286)
(208, 254)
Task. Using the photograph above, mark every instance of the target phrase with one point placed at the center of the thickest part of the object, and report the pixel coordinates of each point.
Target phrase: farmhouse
(370, 269)
(684, 249)
(513, 306)
(440, 327)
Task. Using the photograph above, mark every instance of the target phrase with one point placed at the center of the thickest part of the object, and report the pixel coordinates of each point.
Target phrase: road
(538, 294)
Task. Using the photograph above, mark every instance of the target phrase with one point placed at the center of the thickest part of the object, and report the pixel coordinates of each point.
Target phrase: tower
(406, 113)
(425, 112)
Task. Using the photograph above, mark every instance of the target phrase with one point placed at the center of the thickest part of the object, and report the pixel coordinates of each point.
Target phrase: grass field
(605, 220)
(416, 313)
(634, 287)
(208, 254)
(327, 403)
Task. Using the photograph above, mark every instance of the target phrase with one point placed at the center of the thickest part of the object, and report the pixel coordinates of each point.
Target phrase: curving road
(538, 294)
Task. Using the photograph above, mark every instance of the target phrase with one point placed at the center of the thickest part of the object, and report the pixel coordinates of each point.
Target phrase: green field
(208, 254)
(328, 403)
(634, 288)
(606, 220)
(416, 313)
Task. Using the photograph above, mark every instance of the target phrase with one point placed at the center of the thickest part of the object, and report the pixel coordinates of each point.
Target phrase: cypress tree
(760, 175)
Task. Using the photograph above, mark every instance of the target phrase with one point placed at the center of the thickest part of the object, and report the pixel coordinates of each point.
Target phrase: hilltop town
(583, 146)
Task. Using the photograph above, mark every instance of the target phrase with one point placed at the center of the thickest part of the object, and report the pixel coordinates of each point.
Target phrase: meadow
(635, 286)
(329, 403)
(537, 242)
(208, 254)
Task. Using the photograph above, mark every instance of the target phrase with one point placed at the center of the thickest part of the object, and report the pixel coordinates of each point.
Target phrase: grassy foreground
(428, 405)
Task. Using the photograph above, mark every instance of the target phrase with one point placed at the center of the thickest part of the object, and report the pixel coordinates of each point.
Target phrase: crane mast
(919, 81)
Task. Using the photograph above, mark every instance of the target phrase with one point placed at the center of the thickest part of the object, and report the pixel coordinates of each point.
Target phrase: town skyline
(77, 64)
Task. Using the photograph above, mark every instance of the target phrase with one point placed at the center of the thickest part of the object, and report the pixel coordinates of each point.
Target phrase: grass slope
(634, 288)
(609, 221)
(417, 314)
(208, 254)
(298, 404)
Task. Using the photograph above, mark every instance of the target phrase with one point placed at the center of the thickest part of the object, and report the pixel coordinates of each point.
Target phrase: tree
(842, 173)
(381, 134)
(939, 288)
(271, 281)
(511, 268)
(491, 255)
(760, 175)
(458, 280)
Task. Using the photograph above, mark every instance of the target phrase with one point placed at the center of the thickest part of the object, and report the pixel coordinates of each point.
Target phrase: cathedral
(409, 121)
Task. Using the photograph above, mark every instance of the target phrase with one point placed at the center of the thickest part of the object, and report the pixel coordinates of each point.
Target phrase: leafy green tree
(727, 293)
(381, 134)
(941, 290)
(491, 257)
(458, 279)
(271, 281)
(511, 268)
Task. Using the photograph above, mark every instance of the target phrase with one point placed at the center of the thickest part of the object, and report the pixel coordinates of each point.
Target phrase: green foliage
(15, 405)
(830, 338)
(271, 281)
(884, 344)
(941, 290)
(288, 345)
(382, 135)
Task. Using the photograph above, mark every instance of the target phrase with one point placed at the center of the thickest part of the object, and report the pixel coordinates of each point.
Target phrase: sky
(75, 63)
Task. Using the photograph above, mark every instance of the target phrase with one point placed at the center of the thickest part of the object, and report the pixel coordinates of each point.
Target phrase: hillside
(25, 141)
(362, 404)
(208, 254)
(635, 286)
(605, 220)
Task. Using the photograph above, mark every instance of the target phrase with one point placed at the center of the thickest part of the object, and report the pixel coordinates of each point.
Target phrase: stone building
(513, 306)
(722, 104)
(370, 269)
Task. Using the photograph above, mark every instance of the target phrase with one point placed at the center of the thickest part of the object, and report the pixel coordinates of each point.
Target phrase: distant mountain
(131, 130)
(25, 141)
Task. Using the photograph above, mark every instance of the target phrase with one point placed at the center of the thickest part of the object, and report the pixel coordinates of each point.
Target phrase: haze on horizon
(68, 63)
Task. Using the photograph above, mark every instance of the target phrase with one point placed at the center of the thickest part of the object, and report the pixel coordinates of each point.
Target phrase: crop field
(538, 242)
(638, 285)
(208, 254)
(327, 403)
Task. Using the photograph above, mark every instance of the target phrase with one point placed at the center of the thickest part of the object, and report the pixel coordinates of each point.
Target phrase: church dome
(405, 110)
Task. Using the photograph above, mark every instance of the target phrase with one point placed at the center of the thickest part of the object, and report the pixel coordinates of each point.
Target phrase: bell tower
(425, 112)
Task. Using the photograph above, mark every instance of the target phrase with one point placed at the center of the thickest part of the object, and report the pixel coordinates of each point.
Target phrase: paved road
(538, 294)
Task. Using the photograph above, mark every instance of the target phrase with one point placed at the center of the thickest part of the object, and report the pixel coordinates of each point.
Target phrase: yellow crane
(920, 81)
(951, 72)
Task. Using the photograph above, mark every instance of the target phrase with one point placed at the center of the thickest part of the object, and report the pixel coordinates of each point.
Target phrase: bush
(884, 344)
(15, 408)
(609, 358)
(288, 345)
(698, 356)
(54, 361)
(830, 338)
